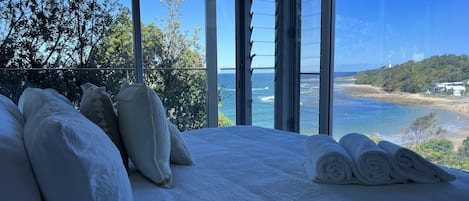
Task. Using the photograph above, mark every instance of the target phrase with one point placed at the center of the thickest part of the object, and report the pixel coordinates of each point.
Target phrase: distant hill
(415, 77)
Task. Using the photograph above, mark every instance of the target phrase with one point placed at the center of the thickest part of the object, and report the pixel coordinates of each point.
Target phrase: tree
(49, 35)
(223, 120)
(438, 150)
(182, 91)
(417, 77)
(375, 137)
(68, 43)
(422, 129)
(464, 148)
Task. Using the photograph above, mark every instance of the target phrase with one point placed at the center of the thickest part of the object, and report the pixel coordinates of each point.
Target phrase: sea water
(350, 114)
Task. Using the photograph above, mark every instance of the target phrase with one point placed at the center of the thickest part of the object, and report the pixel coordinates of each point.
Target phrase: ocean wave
(267, 99)
(309, 80)
(260, 89)
(309, 93)
(253, 89)
(309, 86)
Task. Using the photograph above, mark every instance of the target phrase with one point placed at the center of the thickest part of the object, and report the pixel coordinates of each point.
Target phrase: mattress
(254, 163)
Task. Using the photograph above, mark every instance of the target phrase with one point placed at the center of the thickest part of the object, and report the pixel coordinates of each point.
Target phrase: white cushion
(97, 106)
(180, 153)
(71, 157)
(17, 181)
(144, 129)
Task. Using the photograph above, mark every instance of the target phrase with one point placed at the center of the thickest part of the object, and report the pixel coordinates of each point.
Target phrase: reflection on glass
(401, 72)
(309, 79)
(226, 54)
(174, 62)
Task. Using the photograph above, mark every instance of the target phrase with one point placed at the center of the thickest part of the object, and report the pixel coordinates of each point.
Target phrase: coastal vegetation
(49, 44)
(417, 76)
(425, 136)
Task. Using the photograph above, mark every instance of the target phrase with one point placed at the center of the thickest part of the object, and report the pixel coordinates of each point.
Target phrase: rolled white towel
(327, 162)
(414, 166)
(371, 164)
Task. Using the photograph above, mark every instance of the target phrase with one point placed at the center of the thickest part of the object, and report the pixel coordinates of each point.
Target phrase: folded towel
(371, 164)
(413, 166)
(327, 162)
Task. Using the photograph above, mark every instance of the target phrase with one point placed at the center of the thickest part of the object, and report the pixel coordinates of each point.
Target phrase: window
(50, 44)
(310, 66)
(173, 36)
(400, 75)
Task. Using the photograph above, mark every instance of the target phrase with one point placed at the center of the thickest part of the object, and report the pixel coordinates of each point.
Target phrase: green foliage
(50, 34)
(223, 120)
(375, 138)
(441, 151)
(464, 148)
(422, 129)
(417, 77)
(182, 91)
(436, 149)
(49, 44)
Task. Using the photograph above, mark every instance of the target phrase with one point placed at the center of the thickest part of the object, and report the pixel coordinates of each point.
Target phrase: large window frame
(211, 55)
(287, 51)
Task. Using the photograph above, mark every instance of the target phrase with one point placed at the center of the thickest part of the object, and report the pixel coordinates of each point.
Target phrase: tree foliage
(441, 151)
(52, 34)
(170, 52)
(424, 136)
(416, 77)
(62, 44)
(422, 129)
(464, 148)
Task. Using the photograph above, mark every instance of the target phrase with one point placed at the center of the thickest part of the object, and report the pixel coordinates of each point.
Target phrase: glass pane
(263, 98)
(226, 55)
(49, 44)
(310, 35)
(309, 66)
(173, 41)
(263, 37)
(309, 104)
(183, 93)
(402, 77)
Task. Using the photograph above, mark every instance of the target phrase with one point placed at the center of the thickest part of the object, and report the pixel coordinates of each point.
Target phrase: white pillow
(29, 109)
(97, 106)
(180, 153)
(17, 181)
(71, 157)
(144, 128)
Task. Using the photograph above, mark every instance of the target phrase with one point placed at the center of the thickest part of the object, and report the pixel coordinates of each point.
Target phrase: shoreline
(456, 105)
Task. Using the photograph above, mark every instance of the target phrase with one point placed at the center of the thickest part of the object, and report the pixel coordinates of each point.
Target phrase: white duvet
(253, 163)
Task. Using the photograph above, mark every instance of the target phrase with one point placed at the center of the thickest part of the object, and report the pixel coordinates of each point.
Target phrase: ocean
(350, 114)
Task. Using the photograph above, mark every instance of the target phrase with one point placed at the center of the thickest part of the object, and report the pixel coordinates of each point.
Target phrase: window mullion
(326, 66)
(243, 19)
(287, 65)
(137, 35)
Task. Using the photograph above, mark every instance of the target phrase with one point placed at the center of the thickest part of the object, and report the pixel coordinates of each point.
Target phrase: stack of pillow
(16, 173)
(56, 152)
(150, 139)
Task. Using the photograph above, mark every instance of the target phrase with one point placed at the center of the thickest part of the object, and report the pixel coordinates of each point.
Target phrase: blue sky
(369, 33)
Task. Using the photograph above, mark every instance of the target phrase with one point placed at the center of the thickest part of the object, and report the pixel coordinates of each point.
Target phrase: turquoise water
(350, 114)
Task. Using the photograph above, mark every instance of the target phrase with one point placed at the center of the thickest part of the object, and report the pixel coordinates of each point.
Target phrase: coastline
(456, 105)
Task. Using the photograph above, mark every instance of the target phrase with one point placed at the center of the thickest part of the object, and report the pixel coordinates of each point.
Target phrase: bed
(254, 163)
(50, 151)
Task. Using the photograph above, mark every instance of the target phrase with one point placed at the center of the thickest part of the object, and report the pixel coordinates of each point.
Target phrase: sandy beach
(458, 105)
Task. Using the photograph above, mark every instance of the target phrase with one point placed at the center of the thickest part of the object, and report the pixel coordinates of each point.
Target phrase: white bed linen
(253, 163)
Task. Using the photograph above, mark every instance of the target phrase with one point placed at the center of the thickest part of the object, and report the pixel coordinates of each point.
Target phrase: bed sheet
(254, 163)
